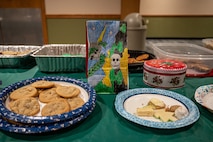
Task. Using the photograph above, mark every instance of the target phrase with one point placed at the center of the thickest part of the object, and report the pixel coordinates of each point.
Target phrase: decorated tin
(164, 73)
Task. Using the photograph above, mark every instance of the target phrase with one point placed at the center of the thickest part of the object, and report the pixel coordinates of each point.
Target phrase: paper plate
(204, 96)
(87, 93)
(33, 129)
(126, 103)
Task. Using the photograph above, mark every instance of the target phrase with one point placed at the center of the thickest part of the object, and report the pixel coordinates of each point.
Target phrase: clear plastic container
(199, 60)
(208, 43)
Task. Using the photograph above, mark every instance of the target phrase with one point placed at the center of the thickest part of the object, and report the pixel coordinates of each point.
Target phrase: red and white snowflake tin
(164, 73)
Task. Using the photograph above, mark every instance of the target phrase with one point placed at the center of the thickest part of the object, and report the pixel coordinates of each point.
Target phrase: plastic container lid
(165, 66)
(183, 50)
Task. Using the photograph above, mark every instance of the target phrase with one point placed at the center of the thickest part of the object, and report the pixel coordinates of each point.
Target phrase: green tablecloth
(106, 125)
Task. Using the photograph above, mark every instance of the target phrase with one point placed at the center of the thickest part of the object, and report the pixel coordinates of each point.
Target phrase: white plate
(204, 96)
(126, 103)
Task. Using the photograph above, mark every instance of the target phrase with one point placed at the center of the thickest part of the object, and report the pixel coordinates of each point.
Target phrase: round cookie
(26, 91)
(42, 84)
(75, 102)
(57, 85)
(55, 107)
(67, 91)
(9, 52)
(25, 106)
(48, 95)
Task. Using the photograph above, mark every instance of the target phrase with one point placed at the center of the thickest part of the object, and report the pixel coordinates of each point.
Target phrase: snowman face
(115, 61)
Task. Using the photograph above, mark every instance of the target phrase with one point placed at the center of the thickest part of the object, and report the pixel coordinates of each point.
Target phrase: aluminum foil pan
(61, 58)
(13, 56)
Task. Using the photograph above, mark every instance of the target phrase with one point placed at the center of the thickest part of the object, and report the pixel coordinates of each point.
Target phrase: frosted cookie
(42, 84)
(67, 91)
(48, 95)
(25, 106)
(26, 91)
(75, 102)
(55, 107)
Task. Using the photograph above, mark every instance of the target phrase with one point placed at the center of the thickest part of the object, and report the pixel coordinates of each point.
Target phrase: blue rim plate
(9, 115)
(202, 95)
(192, 117)
(33, 129)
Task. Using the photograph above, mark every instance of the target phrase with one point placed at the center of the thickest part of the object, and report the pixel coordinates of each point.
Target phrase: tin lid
(165, 66)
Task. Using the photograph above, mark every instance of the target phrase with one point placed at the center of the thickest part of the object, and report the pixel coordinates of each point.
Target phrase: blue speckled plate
(204, 96)
(34, 129)
(86, 90)
(127, 101)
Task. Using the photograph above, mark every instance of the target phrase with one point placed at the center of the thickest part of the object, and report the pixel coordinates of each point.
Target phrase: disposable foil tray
(20, 58)
(61, 58)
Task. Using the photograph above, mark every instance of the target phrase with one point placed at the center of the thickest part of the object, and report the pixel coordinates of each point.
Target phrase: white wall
(176, 7)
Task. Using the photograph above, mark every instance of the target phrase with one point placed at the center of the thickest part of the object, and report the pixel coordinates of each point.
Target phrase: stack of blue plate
(13, 122)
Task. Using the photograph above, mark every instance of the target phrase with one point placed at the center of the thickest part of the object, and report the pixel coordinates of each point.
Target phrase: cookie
(131, 60)
(172, 108)
(75, 102)
(24, 52)
(67, 91)
(48, 95)
(199, 67)
(42, 84)
(25, 106)
(55, 107)
(142, 57)
(156, 103)
(57, 85)
(9, 52)
(26, 91)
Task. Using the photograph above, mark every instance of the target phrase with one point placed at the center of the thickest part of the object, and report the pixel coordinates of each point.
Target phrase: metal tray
(61, 58)
(20, 60)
